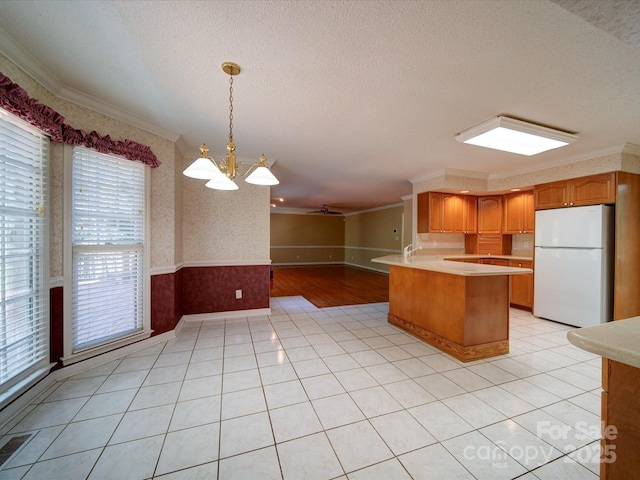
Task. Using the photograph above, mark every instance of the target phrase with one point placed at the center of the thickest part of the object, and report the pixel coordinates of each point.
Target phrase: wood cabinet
(431, 213)
(490, 244)
(490, 214)
(620, 420)
(518, 213)
(466, 316)
(590, 190)
(501, 262)
(440, 212)
(521, 287)
(626, 301)
(423, 212)
(466, 216)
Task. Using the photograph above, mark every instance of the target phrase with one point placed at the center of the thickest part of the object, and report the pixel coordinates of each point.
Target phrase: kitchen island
(618, 343)
(459, 307)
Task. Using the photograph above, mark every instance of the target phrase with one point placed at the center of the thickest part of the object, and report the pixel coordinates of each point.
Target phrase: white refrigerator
(573, 270)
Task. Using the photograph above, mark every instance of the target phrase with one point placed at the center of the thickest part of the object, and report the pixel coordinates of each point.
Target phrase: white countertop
(618, 340)
(445, 264)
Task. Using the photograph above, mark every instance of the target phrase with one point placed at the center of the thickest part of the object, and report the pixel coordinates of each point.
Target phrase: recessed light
(515, 136)
(464, 191)
(514, 190)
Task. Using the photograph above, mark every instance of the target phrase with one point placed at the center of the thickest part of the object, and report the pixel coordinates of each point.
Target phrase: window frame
(31, 374)
(70, 356)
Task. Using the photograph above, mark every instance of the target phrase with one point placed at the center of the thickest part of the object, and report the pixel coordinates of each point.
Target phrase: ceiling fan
(325, 211)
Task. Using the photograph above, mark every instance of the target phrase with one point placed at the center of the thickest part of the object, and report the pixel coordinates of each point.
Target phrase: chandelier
(221, 173)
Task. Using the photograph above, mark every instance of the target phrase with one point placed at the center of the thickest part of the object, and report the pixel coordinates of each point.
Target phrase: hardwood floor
(330, 285)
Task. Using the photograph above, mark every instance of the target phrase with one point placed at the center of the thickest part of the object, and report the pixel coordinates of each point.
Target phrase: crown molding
(99, 106)
(631, 148)
(617, 149)
(182, 147)
(297, 211)
(375, 209)
(451, 172)
(23, 60)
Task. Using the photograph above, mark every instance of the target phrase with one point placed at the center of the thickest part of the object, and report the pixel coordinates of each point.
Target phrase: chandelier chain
(231, 108)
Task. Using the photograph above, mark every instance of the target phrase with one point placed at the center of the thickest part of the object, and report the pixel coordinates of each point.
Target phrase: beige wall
(353, 239)
(303, 239)
(372, 234)
(407, 217)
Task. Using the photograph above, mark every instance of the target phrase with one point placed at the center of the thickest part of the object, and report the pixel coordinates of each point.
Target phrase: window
(24, 247)
(107, 232)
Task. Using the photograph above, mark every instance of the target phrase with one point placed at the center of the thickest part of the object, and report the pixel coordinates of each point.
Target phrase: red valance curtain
(15, 99)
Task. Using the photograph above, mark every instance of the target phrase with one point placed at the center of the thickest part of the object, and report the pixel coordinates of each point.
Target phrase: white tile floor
(308, 393)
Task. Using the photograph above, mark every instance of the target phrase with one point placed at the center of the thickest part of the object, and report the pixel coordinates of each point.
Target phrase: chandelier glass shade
(221, 173)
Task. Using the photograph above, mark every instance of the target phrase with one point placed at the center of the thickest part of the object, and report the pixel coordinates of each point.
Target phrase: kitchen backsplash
(448, 243)
(440, 241)
(522, 245)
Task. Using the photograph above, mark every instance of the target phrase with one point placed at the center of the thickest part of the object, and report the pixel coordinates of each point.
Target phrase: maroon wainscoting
(166, 301)
(213, 289)
(56, 328)
(190, 290)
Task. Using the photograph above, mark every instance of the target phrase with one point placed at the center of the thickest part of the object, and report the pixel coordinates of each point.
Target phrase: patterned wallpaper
(222, 227)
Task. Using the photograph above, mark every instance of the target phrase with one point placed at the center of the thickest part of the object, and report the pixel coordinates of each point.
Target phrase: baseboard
(202, 317)
(357, 265)
(93, 362)
(10, 415)
(344, 264)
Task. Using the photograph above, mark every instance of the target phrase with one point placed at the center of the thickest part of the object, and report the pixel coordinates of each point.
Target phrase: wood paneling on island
(465, 316)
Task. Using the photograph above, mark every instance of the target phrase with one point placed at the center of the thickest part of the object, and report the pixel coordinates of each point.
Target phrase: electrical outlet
(238, 294)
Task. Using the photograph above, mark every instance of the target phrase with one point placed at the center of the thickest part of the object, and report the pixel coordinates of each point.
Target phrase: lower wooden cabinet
(521, 286)
(620, 421)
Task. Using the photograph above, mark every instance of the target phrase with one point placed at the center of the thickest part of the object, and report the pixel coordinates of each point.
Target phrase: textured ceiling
(352, 99)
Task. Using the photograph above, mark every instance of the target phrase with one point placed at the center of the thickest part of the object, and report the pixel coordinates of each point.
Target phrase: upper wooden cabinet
(431, 212)
(446, 213)
(490, 214)
(423, 212)
(518, 213)
(466, 217)
(591, 190)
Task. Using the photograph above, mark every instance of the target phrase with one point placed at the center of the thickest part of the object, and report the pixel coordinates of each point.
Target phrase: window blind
(24, 294)
(108, 208)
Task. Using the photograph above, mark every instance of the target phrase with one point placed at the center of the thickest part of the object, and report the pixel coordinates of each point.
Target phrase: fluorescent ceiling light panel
(515, 136)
